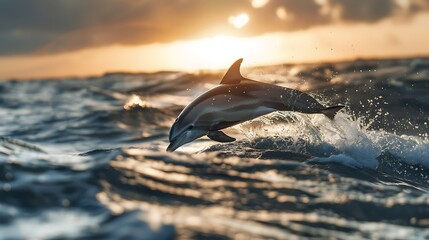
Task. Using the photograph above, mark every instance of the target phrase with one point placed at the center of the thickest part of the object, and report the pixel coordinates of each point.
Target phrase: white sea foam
(50, 224)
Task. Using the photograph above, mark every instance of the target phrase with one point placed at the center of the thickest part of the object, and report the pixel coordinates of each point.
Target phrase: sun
(239, 21)
(217, 51)
(220, 49)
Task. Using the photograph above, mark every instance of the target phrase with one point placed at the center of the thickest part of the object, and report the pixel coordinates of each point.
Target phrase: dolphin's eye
(190, 127)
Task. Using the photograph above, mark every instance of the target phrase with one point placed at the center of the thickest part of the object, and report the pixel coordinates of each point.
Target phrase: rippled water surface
(85, 158)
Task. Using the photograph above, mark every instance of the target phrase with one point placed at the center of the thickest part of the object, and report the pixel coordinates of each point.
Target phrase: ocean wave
(91, 152)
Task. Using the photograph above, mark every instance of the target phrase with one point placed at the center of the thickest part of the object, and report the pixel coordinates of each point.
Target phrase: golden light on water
(239, 21)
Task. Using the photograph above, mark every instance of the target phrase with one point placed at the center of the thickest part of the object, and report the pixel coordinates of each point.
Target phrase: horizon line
(207, 70)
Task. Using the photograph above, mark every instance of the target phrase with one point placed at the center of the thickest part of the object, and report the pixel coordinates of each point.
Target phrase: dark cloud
(364, 10)
(47, 26)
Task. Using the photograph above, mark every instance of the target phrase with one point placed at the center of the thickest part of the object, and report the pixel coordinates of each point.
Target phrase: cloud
(50, 26)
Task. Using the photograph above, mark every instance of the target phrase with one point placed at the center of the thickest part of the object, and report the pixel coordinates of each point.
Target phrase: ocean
(85, 158)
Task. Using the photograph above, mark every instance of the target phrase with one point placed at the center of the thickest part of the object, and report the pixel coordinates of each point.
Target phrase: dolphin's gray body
(236, 100)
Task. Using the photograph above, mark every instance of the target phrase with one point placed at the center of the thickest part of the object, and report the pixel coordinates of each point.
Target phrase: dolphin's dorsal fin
(233, 75)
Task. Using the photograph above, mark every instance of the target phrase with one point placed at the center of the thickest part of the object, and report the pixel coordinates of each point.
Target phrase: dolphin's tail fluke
(330, 112)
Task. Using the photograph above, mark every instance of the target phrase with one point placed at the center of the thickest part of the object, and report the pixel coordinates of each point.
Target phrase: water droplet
(7, 187)
(8, 175)
(65, 202)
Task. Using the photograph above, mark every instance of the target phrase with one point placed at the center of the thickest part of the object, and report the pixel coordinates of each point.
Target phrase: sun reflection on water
(210, 195)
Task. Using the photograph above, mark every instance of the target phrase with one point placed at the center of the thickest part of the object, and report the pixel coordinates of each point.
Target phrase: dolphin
(235, 100)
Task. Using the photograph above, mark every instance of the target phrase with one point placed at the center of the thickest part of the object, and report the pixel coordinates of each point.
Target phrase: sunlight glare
(135, 101)
(218, 51)
(239, 21)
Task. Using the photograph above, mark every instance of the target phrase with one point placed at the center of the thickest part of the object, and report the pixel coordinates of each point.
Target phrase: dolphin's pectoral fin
(233, 75)
(220, 136)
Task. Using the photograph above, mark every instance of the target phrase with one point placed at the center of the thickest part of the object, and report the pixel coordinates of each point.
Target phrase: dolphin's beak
(177, 142)
(184, 138)
(172, 146)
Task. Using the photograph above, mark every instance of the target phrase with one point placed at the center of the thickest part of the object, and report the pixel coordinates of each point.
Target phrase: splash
(345, 140)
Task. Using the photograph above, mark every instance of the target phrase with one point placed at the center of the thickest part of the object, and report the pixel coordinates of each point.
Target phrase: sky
(58, 38)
